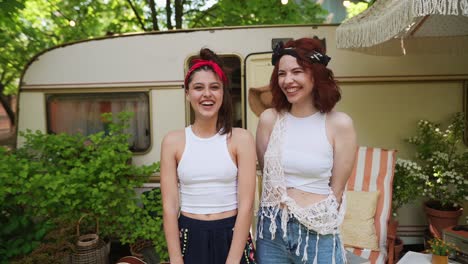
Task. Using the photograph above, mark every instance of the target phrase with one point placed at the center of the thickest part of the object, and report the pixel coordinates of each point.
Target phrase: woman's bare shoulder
(174, 138)
(340, 120)
(241, 135)
(268, 117)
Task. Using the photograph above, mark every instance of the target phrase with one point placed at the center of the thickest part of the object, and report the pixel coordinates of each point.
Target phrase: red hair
(325, 92)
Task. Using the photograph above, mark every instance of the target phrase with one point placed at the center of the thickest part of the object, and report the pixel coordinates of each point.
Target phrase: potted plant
(444, 165)
(440, 250)
(408, 183)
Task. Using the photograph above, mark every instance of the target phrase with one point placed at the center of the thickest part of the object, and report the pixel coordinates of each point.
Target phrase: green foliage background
(27, 27)
(258, 12)
(53, 180)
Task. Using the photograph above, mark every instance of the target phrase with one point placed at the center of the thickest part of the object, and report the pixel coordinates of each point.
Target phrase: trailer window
(81, 113)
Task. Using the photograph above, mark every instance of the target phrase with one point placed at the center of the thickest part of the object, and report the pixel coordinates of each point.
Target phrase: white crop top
(307, 155)
(207, 175)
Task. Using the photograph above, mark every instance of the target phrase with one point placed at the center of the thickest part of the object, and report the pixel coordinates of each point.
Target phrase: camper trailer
(66, 88)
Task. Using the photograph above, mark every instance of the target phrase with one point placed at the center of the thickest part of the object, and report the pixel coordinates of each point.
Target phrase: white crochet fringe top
(323, 217)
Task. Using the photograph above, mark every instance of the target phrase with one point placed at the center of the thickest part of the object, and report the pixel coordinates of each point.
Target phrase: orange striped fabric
(373, 171)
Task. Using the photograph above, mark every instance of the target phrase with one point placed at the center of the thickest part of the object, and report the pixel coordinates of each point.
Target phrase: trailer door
(257, 74)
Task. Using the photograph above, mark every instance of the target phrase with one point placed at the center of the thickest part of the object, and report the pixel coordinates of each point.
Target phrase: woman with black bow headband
(307, 152)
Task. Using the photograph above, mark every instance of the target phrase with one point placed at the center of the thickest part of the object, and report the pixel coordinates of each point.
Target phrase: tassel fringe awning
(389, 19)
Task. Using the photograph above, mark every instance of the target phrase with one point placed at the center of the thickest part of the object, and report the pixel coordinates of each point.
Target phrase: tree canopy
(29, 26)
(258, 12)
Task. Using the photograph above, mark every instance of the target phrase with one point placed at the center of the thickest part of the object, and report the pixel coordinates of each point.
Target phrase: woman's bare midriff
(303, 198)
(210, 217)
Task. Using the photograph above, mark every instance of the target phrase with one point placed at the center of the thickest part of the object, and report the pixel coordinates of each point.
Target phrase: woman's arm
(245, 156)
(264, 128)
(170, 195)
(344, 151)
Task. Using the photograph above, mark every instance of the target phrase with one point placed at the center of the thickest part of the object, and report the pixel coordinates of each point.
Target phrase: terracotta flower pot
(436, 259)
(438, 219)
(398, 248)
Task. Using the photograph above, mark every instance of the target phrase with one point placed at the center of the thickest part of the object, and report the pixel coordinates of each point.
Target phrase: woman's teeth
(207, 103)
(292, 90)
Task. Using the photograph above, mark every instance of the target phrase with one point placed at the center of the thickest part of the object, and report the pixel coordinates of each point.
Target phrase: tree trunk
(137, 15)
(179, 8)
(154, 16)
(5, 102)
(169, 14)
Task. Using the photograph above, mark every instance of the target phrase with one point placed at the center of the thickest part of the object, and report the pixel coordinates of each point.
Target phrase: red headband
(200, 63)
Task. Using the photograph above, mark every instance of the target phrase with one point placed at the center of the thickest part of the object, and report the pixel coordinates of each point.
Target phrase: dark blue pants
(208, 242)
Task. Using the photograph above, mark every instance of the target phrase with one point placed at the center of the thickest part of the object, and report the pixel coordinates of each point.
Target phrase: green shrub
(53, 180)
(146, 222)
(408, 183)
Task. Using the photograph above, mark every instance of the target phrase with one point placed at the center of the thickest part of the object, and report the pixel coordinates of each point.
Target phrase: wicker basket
(137, 247)
(90, 249)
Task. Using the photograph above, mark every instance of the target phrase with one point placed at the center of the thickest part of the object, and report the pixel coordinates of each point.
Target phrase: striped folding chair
(373, 171)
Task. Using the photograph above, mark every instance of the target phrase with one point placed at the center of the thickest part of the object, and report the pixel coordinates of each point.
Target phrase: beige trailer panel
(164, 102)
(32, 113)
(151, 58)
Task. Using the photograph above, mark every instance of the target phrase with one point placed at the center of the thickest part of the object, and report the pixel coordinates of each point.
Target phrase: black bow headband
(315, 57)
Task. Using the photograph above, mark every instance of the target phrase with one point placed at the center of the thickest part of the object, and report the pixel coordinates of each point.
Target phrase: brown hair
(224, 122)
(325, 93)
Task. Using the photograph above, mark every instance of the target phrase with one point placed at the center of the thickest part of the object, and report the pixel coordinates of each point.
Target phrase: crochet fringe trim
(284, 219)
(388, 19)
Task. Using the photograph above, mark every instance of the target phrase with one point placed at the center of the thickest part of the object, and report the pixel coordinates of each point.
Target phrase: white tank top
(307, 155)
(207, 175)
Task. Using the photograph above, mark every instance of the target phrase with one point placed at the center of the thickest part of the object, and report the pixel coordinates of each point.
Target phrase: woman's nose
(288, 78)
(206, 92)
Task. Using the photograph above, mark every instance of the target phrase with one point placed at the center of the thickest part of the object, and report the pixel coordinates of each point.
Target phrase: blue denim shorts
(290, 249)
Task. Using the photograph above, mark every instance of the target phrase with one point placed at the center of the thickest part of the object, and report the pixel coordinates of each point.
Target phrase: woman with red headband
(307, 152)
(208, 175)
